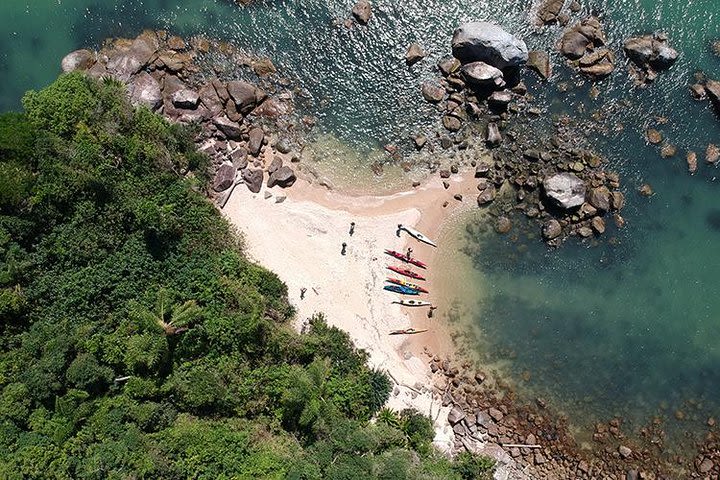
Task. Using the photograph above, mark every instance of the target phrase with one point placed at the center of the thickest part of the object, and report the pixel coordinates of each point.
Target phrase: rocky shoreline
(250, 129)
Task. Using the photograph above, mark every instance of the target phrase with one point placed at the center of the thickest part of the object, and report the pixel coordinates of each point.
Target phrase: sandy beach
(298, 234)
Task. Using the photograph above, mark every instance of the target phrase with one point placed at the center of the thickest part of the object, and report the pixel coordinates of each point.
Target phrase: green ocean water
(631, 328)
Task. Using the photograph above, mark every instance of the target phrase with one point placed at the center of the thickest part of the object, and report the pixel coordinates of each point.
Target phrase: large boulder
(283, 176)
(253, 179)
(539, 61)
(77, 60)
(186, 98)
(650, 51)
(565, 190)
(231, 130)
(414, 54)
(224, 177)
(489, 43)
(246, 96)
(481, 74)
(123, 64)
(432, 92)
(145, 90)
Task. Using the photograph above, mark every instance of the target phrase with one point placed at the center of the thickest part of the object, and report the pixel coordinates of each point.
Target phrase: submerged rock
(565, 190)
(489, 43)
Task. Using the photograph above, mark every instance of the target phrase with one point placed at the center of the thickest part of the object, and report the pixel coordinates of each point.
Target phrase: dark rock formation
(255, 141)
(649, 54)
(224, 177)
(283, 176)
(585, 42)
(539, 62)
(253, 179)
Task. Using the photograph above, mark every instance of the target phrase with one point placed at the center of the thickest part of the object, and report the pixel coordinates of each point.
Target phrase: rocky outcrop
(649, 54)
(145, 90)
(565, 190)
(78, 60)
(584, 44)
(489, 43)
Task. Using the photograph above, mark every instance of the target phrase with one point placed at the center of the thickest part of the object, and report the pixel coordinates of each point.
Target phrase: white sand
(300, 239)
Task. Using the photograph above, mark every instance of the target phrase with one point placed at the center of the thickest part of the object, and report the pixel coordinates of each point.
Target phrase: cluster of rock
(237, 117)
(552, 11)
(706, 88)
(475, 92)
(649, 54)
(584, 45)
(530, 439)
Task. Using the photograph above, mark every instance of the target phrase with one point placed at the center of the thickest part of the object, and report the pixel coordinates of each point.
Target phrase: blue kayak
(401, 289)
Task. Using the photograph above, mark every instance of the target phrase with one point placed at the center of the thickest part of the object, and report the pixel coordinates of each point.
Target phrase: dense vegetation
(138, 342)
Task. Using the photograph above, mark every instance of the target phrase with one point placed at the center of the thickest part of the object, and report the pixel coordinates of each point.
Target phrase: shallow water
(630, 329)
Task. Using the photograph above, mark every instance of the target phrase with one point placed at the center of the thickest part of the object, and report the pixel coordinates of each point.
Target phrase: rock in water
(539, 61)
(483, 75)
(362, 12)
(224, 177)
(283, 176)
(77, 60)
(712, 154)
(551, 229)
(414, 54)
(145, 90)
(650, 51)
(549, 11)
(712, 88)
(487, 42)
(432, 92)
(565, 190)
(692, 164)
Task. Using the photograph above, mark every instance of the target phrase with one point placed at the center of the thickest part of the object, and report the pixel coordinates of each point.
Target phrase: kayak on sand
(406, 272)
(398, 281)
(400, 289)
(413, 303)
(417, 235)
(404, 258)
(408, 331)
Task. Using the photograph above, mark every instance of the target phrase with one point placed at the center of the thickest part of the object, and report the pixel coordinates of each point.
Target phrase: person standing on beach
(344, 247)
(409, 252)
(352, 228)
(302, 292)
(397, 232)
(430, 312)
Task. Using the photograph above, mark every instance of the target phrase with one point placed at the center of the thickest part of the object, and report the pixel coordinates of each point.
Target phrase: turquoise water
(631, 328)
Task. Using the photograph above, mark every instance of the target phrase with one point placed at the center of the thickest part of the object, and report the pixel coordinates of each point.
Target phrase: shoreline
(298, 234)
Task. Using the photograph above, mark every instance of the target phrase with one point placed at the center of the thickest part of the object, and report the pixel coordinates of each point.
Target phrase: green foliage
(139, 342)
(473, 467)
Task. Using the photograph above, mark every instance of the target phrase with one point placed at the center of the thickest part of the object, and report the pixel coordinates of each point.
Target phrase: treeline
(137, 340)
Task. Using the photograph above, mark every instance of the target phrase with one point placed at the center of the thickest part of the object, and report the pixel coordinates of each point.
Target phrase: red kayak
(404, 258)
(398, 281)
(406, 272)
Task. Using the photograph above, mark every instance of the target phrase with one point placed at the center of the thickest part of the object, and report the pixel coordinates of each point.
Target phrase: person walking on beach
(430, 312)
(409, 253)
(352, 228)
(344, 247)
(302, 292)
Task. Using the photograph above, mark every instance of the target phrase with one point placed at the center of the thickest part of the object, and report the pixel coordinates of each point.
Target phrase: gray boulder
(224, 177)
(487, 42)
(565, 190)
(483, 75)
(77, 60)
(283, 176)
(253, 179)
(145, 90)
